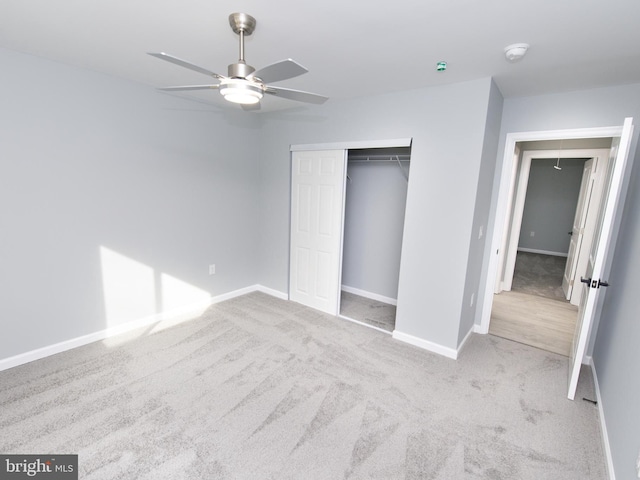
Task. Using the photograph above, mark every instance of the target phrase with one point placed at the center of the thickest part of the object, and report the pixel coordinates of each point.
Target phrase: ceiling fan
(244, 84)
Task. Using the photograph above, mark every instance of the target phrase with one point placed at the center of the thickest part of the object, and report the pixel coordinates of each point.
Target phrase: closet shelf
(397, 159)
(379, 158)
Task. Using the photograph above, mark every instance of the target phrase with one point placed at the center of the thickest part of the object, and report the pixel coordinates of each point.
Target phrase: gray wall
(616, 357)
(550, 204)
(474, 282)
(447, 125)
(374, 222)
(91, 162)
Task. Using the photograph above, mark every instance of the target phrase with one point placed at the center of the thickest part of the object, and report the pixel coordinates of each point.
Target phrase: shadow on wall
(135, 294)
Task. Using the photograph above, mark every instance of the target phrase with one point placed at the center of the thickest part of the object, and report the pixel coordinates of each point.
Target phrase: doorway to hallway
(535, 312)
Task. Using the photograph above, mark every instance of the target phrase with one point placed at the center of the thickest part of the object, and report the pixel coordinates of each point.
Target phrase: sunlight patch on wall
(140, 300)
(180, 301)
(175, 293)
(129, 288)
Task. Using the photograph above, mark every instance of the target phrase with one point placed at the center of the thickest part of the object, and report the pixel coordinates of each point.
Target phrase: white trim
(177, 315)
(397, 142)
(370, 295)
(516, 223)
(272, 292)
(426, 345)
(465, 339)
(569, 133)
(509, 208)
(503, 191)
(543, 252)
(603, 425)
(353, 320)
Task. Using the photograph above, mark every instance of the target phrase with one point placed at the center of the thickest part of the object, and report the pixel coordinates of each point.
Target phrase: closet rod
(380, 158)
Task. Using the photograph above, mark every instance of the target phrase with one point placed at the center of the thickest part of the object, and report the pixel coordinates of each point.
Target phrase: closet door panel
(317, 201)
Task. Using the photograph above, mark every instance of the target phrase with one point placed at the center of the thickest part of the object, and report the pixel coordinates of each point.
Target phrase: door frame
(500, 219)
(510, 245)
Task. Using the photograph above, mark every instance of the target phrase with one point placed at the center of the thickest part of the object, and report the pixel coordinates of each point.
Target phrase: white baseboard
(426, 345)
(177, 316)
(480, 329)
(543, 252)
(465, 339)
(272, 292)
(372, 296)
(603, 425)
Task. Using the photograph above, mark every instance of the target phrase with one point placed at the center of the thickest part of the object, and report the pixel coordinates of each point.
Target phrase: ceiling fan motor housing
(240, 70)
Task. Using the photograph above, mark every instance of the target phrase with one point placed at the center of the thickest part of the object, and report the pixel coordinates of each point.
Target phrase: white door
(317, 211)
(577, 231)
(602, 247)
(578, 259)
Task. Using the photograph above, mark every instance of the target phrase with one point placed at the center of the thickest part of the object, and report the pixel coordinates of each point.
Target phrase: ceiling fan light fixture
(240, 91)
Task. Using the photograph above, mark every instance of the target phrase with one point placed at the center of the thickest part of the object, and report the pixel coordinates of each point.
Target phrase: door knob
(594, 283)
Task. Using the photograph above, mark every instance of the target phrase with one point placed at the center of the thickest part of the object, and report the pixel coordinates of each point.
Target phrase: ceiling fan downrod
(242, 24)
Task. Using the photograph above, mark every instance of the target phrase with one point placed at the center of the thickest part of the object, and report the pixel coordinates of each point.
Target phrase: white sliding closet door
(317, 212)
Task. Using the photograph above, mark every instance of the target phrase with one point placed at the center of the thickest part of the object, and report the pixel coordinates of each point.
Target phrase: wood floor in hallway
(534, 320)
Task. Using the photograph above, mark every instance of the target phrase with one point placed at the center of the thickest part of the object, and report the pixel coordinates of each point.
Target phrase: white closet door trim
(397, 142)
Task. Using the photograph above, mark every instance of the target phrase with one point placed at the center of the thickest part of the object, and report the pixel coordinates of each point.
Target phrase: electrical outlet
(212, 269)
(473, 298)
(480, 233)
(638, 465)
(532, 234)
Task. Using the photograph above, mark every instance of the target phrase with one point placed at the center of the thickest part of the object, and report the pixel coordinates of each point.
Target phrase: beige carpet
(538, 274)
(261, 388)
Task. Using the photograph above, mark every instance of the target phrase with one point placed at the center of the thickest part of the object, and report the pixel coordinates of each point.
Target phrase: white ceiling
(352, 48)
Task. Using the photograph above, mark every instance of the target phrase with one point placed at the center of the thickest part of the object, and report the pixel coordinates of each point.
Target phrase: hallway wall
(550, 205)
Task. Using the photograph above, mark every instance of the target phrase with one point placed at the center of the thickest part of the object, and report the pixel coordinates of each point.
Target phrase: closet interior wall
(376, 195)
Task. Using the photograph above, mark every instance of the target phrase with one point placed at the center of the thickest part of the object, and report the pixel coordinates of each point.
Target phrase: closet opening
(374, 210)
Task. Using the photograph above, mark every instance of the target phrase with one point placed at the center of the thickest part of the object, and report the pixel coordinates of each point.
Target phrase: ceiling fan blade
(189, 87)
(279, 71)
(184, 63)
(297, 95)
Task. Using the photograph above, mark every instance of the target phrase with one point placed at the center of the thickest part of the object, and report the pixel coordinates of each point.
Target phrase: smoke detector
(516, 51)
